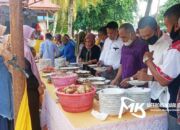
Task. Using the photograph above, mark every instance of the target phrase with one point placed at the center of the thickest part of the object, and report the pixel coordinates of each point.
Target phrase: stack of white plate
(139, 95)
(110, 100)
(43, 63)
(59, 62)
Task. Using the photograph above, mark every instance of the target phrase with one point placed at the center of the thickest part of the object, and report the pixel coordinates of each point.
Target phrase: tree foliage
(163, 8)
(94, 17)
(62, 23)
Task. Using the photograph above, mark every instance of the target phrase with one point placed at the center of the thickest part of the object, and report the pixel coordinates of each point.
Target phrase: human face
(64, 40)
(88, 43)
(32, 35)
(100, 36)
(124, 35)
(168, 24)
(146, 33)
(149, 35)
(112, 33)
(31, 42)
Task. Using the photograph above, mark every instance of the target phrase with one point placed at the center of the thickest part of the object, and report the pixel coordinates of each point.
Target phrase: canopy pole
(47, 20)
(55, 23)
(16, 29)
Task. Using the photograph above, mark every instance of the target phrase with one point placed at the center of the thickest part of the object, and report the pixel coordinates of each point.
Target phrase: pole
(55, 22)
(16, 30)
(47, 21)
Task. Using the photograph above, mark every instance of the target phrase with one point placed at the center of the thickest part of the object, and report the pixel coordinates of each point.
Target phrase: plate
(81, 80)
(112, 91)
(137, 82)
(82, 72)
(98, 83)
(107, 81)
(100, 69)
(112, 86)
(93, 65)
(96, 78)
(136, 90)
(69, 68)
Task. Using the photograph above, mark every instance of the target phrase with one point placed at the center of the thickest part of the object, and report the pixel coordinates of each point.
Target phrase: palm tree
(69, 8)
(70, 17)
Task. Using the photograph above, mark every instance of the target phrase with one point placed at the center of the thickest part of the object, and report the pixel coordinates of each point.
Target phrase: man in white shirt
(111, 53)
(159, 43)
(168, 74)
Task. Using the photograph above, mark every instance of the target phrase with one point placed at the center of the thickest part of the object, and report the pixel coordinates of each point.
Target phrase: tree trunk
(157, 9)
(148, 8)
(70, 17)
(47, 21)
(16, 28)
(55, 23)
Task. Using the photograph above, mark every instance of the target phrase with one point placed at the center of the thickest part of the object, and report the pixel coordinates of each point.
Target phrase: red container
(60, 81)
(76, 102)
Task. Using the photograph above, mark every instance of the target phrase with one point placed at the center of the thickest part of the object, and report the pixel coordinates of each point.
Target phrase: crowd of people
(148, 54)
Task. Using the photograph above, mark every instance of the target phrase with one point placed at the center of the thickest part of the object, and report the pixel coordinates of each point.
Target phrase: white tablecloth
(55, 119)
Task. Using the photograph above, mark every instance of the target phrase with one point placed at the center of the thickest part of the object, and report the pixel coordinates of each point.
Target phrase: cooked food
(77, 89)
(48, 69)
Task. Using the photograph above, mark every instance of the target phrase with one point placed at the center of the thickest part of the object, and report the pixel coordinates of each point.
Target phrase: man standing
(102, 35)
(168, 74)
(110, 55)
(68, 51)
(131, 56)
(48, 50)
(159, 43)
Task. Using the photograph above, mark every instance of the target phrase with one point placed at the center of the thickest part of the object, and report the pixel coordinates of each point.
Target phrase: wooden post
(16, 29)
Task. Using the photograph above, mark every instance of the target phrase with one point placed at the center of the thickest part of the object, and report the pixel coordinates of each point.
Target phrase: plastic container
(76, 102)
(60, 81)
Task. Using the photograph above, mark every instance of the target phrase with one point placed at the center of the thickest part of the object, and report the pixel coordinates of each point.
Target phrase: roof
(4, 2)
(45, 5)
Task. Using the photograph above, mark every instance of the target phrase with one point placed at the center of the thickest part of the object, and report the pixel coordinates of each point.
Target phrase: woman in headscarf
(34, 84)
(6, 101)
(90, 52)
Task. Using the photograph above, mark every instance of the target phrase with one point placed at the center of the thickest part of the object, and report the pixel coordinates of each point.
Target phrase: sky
(142, 8)
(143, 4)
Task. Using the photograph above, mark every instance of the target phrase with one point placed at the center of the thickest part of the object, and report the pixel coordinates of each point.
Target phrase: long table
(55, 118)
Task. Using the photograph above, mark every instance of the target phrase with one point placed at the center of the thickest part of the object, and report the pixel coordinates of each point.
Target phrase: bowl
(76, 102)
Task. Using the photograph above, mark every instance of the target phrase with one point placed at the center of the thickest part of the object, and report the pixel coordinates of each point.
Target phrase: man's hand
(124, 83)
(148, 56)
(114, 82)
(100, 63)
(141, 75)
(109, 69)
(5, 52)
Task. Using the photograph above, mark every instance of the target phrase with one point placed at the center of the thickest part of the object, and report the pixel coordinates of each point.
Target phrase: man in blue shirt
(68, 51)
(48, 50)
